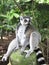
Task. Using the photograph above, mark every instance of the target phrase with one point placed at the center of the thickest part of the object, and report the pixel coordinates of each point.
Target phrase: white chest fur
(21, 32)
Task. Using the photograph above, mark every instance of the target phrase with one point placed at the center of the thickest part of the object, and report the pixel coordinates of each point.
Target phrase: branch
(19, 6)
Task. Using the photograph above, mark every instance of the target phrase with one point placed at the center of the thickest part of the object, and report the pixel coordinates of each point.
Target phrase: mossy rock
(17, 58)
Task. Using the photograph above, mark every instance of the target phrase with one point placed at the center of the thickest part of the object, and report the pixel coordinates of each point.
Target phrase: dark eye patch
(25, 20)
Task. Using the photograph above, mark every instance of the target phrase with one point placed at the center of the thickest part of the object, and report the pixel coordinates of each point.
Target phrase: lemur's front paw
(27, 55)
(4, 58)
(26, 51)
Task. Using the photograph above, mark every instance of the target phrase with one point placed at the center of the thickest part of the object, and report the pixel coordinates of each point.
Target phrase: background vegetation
(38, 10)
(10, 10)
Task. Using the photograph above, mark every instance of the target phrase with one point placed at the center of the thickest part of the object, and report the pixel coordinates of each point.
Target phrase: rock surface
(17, 58)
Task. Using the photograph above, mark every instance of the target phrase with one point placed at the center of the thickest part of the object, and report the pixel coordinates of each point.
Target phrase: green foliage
(42, 1)
(43, 22)
(10, 12)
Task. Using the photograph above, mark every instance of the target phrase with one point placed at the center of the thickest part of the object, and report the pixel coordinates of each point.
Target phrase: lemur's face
(24, 20)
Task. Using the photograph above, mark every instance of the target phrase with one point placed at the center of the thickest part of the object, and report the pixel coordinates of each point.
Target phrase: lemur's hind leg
(35, 38)
(14, 44)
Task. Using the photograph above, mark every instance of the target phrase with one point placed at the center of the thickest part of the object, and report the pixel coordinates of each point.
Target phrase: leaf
(25, 0)
(16, 15)
(2, 15)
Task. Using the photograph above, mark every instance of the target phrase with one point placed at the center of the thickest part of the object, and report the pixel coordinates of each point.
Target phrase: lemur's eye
(25, 20)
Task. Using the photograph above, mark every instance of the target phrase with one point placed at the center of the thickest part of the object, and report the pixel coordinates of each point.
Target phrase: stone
(16, 58)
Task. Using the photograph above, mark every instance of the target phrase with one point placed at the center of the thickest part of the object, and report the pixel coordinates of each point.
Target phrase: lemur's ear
(21, 17)
(30, 19)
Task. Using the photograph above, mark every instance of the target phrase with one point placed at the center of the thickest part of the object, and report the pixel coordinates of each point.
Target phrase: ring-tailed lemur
(26, 35)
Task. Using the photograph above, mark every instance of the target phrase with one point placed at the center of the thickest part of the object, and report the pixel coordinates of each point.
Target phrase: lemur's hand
(21, 50)
(4, 58)
(28, 53)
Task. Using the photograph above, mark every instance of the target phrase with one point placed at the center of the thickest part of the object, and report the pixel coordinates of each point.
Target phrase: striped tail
(40, 57)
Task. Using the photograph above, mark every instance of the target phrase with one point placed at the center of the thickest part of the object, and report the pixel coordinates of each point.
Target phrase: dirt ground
(4, 44)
